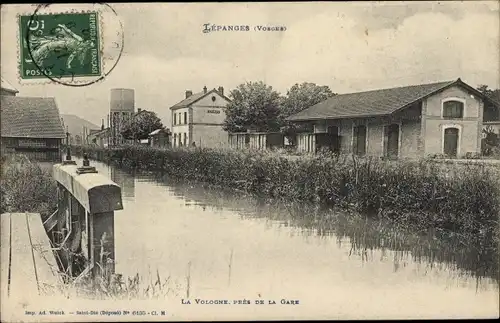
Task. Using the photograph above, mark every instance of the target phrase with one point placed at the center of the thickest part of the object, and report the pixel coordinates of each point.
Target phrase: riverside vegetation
(423, 194)
(26, 187)
(419, 196)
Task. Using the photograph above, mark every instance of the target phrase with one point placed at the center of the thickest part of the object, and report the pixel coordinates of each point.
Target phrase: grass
(136, 287)
(459, 198)
(26, 187)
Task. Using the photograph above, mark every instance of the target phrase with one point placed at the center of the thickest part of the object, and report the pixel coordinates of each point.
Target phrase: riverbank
(456, 198)
(26, 187)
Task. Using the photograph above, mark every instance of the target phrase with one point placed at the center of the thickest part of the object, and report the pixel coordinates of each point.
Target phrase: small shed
(159, 138)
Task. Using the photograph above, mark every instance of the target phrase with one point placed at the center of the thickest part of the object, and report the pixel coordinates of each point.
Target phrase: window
(32, 143)
(185, 117)
(453, 109)
(175, 139)
(175, 118)
(185, 138)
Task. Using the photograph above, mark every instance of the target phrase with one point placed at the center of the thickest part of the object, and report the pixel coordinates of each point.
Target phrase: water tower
(121, 111)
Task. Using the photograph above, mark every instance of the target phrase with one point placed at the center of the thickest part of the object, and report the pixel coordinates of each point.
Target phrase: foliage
(141, 125)
(116, 287)
(302, 96)
(426, 194)
(490, 144)
(298, 98)
(26, 187)
(253, 105)
(492, 94)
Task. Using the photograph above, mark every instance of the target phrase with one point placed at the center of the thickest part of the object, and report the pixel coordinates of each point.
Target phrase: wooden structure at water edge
(76, 241)
(28, 264)
(82, 229)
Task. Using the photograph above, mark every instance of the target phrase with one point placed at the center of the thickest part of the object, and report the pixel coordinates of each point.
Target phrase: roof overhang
(32, 137)
(458, 82)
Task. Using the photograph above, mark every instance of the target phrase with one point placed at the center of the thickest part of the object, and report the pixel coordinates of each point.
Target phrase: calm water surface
(230, 245)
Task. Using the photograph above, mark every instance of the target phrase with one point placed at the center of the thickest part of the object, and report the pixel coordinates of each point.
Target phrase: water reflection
(125, 180)
(362, 235)
(234, 244)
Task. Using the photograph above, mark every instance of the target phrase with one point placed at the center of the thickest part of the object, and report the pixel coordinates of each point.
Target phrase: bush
(26, 187)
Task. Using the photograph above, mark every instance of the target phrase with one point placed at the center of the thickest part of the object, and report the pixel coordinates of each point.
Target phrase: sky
(349, 46)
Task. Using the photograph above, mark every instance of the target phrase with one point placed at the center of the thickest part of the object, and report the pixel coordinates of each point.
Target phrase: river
(227, 245)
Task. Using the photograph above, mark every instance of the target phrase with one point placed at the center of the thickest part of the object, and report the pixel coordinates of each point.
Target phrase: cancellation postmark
(69, 46)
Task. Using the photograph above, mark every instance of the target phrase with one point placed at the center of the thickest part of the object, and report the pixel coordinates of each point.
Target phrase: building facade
(198, 118)
(100, 138)
(443, 118)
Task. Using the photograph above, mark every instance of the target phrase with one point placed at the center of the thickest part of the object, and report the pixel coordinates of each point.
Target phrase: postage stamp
(60, 45)
(72, 45)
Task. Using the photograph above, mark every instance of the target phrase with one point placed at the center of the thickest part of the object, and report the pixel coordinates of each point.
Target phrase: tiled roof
(193, 98)
(7, 86)
(369, 103)
(190, 100)
(30, 118)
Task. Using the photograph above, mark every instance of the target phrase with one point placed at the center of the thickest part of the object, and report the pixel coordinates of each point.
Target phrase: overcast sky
(347, 46)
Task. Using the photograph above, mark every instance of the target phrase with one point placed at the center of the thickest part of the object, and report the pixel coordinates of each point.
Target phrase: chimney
(204, 89)
(188, 93)
(221, 90)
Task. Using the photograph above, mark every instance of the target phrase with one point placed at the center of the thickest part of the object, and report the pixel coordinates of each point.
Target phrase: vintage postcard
(250, 161)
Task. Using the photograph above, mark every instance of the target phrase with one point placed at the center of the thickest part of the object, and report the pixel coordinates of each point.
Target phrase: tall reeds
(457, 198)
(26, 187)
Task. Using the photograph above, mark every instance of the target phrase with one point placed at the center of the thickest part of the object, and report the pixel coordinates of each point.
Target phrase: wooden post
(91, 199)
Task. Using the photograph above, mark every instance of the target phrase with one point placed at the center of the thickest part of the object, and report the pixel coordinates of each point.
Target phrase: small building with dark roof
(159, 138)
(444, 118)
(101, 138)
(31, 126)
(198, 119)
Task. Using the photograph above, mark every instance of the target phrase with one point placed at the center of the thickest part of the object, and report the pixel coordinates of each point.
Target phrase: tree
(253, 105)
(491, 110)
(492, 94)
(298, 98)
(141, 125)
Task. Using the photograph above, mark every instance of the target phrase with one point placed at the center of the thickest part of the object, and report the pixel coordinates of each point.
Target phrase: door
(360, 140)
(450, 146)
(333, 139)
(392, 140)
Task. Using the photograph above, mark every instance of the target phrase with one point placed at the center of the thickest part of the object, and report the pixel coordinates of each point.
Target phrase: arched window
(453, 109)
